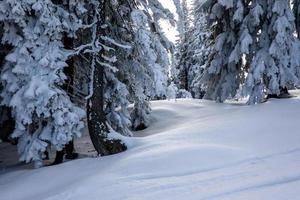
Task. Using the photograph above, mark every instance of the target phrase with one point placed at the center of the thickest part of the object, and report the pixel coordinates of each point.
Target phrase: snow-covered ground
(194, 150)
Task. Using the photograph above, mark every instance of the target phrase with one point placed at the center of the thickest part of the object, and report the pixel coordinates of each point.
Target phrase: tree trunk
(7, 125)
(97, 126)
(296, 10)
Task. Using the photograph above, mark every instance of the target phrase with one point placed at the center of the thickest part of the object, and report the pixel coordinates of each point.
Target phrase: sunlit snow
(193, 150)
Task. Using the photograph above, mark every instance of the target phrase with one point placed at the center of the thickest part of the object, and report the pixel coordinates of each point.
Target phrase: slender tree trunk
(97, 126)
(297, 16)
(7, 125)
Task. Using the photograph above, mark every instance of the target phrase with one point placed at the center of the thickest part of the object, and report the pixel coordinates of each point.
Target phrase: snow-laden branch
(112, 41)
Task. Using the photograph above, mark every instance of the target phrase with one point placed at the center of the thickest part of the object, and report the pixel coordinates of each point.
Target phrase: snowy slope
(193, 150)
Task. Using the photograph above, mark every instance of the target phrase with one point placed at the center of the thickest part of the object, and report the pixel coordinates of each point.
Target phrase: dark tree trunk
(68, 151)
(7, 125)
(296, 9)
(140, 127)
(284, 93)
(97, 126)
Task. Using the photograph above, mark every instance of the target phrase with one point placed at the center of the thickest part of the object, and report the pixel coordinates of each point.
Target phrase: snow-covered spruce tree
(143, 67)
(142, 71)
(132, 77)
(255, 23)
(32, 75)
(131, 82)
(92, 80)
(182, 12)
(161, 45)
(116, 92)
(102, 59)
(200, 48)
(183, 53)
(151, 53)
(221, 76)
(150, 58)
(7, 123)
(275, 64)
(116, 103)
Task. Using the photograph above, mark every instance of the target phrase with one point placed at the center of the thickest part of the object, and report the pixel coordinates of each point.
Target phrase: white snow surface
(194, 150)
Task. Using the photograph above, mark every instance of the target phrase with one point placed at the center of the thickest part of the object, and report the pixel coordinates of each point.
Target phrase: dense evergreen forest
(70, 64)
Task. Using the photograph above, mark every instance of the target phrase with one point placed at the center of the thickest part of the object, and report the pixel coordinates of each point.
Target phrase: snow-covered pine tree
(221, 77)
(144, 67)
(136, 70)
(200, 48)
(133, 76)
(183, 53)
(116, 91)
(143, 59)
(275, 65)
(116, 103)
(155, 12)
(7, 123)
(255, 46)
(33, 74)
(101, 76)
(182, 12)
(130, 78)
(255, 22)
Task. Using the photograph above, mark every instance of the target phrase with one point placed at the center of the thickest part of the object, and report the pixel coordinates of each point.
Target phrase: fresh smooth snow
(194, 150)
